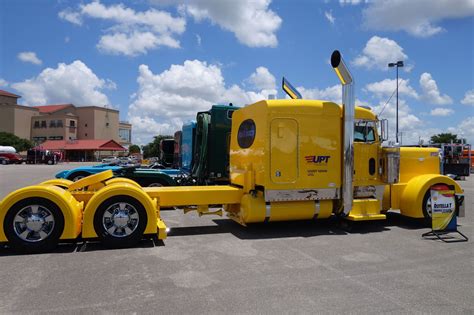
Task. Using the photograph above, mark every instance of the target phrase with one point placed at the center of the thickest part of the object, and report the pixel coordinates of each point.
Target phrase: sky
(161, 61)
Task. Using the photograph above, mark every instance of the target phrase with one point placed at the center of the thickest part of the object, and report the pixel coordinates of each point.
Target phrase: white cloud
(252, 22)
(431, 92)
(465, 129)
(29, 56)
(166, 100)
(379, 52)
(468, 98)
(442, 112)
(385, 88)
(330, 17)
(68, 83)
(134, 43)
(418, 17)
(71, 16)
(3, 82)
(198, 39)
(262, 79)
(67, 39)
(409, 124)
(132, 33)
(352, 2)
(332, 93)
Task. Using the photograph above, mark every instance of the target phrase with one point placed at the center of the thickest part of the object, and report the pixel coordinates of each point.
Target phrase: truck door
(365, 153)
(284, 150)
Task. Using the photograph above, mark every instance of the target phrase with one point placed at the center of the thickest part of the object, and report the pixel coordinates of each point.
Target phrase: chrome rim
(33, 223)
(155, 185)
(120, 219)
(428, 207)
(78, 177)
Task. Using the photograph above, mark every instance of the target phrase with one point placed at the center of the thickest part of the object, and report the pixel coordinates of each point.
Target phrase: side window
(246, 133)
(364, 131)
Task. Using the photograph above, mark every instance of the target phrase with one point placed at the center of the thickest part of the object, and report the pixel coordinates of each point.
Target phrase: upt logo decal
(317, 159)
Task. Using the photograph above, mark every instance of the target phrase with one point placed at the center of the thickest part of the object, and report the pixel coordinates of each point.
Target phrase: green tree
(9, 139)
(133, 148)
(445, 138)
(152, 149)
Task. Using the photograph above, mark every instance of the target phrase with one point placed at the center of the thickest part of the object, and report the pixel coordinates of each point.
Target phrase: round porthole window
(246, 134)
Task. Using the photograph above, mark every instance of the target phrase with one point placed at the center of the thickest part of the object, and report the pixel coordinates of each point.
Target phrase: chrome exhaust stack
(348, 109)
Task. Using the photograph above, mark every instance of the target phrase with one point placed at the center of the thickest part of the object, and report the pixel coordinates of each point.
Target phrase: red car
(11, 158)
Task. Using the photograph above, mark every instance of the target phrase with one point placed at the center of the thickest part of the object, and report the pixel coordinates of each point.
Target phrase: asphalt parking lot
(213, 265)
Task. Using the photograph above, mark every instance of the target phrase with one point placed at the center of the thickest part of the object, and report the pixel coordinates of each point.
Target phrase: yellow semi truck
(290, 159)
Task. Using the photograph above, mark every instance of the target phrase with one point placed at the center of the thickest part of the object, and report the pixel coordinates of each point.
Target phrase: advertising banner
(443, 208)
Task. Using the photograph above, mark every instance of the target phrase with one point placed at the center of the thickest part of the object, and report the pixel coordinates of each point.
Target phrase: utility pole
(397, 65)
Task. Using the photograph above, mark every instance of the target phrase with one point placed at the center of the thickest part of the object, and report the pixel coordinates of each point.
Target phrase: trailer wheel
(33, 225)
(120, 221)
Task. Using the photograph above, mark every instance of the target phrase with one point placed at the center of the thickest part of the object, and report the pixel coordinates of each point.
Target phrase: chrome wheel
(78, 177)
(33, 223)
(120, 219)
(155, 185)
(428, 206)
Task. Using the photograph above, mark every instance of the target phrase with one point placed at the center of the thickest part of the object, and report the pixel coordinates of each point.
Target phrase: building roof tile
(45, 109)
(102, 145)
(5, 93)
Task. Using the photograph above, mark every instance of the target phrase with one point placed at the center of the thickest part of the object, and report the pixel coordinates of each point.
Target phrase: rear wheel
(156, 184)
(77, 176)
(120, 221)
(33, 225)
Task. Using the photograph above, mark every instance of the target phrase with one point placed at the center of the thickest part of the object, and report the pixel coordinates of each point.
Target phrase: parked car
(124, 160)
(12, 158)
(110, 160)
(144, 177)
(37, 156)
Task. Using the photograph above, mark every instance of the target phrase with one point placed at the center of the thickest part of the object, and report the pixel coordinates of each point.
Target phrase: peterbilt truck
(290, 159)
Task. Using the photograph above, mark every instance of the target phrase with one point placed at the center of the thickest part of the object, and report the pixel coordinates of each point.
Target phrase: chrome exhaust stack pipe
(348, 109)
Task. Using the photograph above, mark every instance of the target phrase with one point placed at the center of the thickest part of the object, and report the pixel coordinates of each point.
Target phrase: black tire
(113, 241)
(156, 183)
(34, 246)
(50, 162)
(4, 162)
(77, 175)
(426, 207)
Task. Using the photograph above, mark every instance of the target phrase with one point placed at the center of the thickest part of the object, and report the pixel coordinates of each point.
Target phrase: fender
(70, 207)
(58, 182)
(116, 189)
(122, 180)
(411, 202)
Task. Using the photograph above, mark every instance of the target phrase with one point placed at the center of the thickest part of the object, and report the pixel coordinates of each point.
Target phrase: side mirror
(384, 129)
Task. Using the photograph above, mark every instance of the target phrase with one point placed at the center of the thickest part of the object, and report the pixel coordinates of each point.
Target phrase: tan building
(14, 118)
(62, 122)
(125, 133)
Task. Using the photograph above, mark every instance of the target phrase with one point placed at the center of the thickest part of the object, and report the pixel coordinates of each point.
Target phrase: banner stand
(443, 214)
(439, 235)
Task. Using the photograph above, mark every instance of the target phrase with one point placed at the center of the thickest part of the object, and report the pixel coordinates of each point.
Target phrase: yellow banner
(443, 208)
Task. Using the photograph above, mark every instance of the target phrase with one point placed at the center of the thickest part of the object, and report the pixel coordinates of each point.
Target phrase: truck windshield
(364, 131)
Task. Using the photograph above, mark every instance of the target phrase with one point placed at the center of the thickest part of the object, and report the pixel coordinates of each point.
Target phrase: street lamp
(397, 65)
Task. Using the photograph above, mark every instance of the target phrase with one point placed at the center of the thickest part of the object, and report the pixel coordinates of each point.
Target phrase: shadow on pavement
(271, 230)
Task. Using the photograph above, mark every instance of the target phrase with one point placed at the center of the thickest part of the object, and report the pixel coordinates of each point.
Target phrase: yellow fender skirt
(70, 207)
(116, 189)
(411, 201)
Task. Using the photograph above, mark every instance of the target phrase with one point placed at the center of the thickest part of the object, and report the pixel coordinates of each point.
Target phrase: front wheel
(120, 221)
(33, 225)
